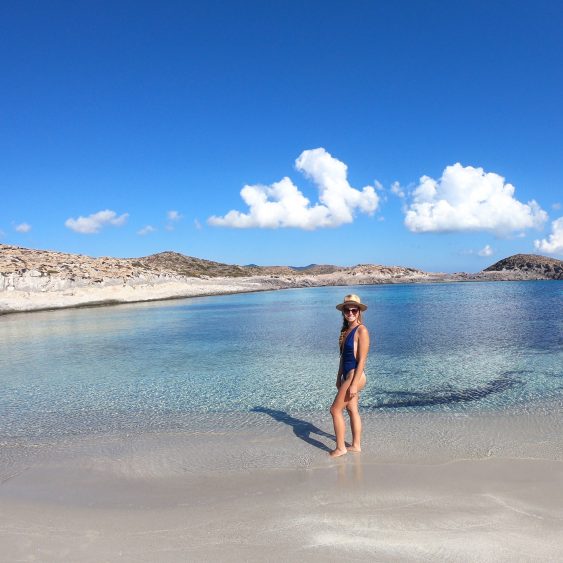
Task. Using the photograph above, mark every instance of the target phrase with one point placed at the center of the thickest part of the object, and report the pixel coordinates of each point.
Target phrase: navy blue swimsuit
(348, 357)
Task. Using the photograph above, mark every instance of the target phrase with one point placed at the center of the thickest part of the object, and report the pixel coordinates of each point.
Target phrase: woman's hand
(353, 390)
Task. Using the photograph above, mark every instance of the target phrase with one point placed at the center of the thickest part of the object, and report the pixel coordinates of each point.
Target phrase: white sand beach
(261, 488)
(119, 292)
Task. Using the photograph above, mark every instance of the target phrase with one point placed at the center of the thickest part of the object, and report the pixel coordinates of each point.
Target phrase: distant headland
(39, 279)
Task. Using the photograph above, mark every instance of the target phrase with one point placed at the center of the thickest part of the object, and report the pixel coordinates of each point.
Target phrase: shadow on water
(401, 399)
(301, 428)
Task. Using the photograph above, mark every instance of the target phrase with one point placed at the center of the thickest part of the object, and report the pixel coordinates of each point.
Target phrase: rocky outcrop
(529, 266)
(38, 279)
(40, 270)
(15, 259)
(178, 264)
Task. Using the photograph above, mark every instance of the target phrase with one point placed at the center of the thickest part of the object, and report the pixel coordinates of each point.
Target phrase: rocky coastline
(32, 280)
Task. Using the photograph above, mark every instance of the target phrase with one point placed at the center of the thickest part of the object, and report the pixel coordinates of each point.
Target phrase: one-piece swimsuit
(349, 361)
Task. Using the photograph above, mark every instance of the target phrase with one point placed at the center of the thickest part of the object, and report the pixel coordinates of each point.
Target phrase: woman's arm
(362, 354)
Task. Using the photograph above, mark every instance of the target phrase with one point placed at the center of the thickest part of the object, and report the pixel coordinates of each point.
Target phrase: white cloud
(23, 228)
(93, 223)
(146, 230)
(197, 224)
(173, 216)
(554, 243)
(485, 251)
(397, 190)
(282, 204)
(556, 206)
(469, 199)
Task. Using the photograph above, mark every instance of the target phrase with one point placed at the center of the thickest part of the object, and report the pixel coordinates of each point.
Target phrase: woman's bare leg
(356, 424)
(355, 420)
(340, 431)
(338, 421)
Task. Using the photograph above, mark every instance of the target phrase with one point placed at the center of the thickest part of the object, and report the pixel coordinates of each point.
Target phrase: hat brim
(360, 306)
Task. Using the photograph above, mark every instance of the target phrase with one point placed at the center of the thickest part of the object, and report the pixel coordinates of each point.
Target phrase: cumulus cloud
(485, 251)
(554, 243)
(146, 230)
(23, 228)
(470, 199)
(94, 223)
(282, 204)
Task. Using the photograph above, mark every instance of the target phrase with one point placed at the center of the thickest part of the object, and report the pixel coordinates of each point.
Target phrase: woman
(351, 379)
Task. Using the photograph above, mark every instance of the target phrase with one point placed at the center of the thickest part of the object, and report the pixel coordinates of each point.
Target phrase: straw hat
(352, 299)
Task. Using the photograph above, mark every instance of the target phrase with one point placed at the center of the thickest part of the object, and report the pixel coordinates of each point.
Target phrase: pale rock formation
(38, 279)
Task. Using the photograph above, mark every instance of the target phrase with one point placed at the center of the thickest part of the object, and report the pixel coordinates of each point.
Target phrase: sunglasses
(353, 310)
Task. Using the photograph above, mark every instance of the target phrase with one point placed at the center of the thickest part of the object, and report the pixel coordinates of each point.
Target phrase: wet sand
(261, 487)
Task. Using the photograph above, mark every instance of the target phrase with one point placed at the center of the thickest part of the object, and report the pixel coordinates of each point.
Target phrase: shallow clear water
(465, 347)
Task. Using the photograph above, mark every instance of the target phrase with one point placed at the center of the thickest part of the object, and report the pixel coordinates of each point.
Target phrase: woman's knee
(335, 409)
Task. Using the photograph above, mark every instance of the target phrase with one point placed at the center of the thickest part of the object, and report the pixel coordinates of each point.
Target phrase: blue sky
(129, 128)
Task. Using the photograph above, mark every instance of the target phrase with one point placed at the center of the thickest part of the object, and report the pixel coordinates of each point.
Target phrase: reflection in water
(349, 470)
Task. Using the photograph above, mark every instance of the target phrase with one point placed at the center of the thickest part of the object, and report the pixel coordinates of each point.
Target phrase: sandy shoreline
(17, 301)
(21, 301)
(432, 487)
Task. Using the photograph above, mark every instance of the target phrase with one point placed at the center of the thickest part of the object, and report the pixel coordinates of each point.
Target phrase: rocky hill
(175, 263)
(530, 265)
(43, 263)
(19, 261)
(15, 259)
(39, 279)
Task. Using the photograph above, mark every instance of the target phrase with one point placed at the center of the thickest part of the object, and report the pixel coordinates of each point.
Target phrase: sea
(453, 347)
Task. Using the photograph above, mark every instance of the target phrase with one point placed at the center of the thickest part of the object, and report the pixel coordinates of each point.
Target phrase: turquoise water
(464, 347)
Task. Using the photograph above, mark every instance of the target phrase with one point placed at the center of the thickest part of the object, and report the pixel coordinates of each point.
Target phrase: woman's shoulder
(362, 329)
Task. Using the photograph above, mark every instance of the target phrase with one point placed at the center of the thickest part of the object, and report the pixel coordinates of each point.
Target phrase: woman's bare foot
(338, 452)
(355, 449)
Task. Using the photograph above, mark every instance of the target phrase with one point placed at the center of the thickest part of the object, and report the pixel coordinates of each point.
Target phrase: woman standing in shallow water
(351, 379)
